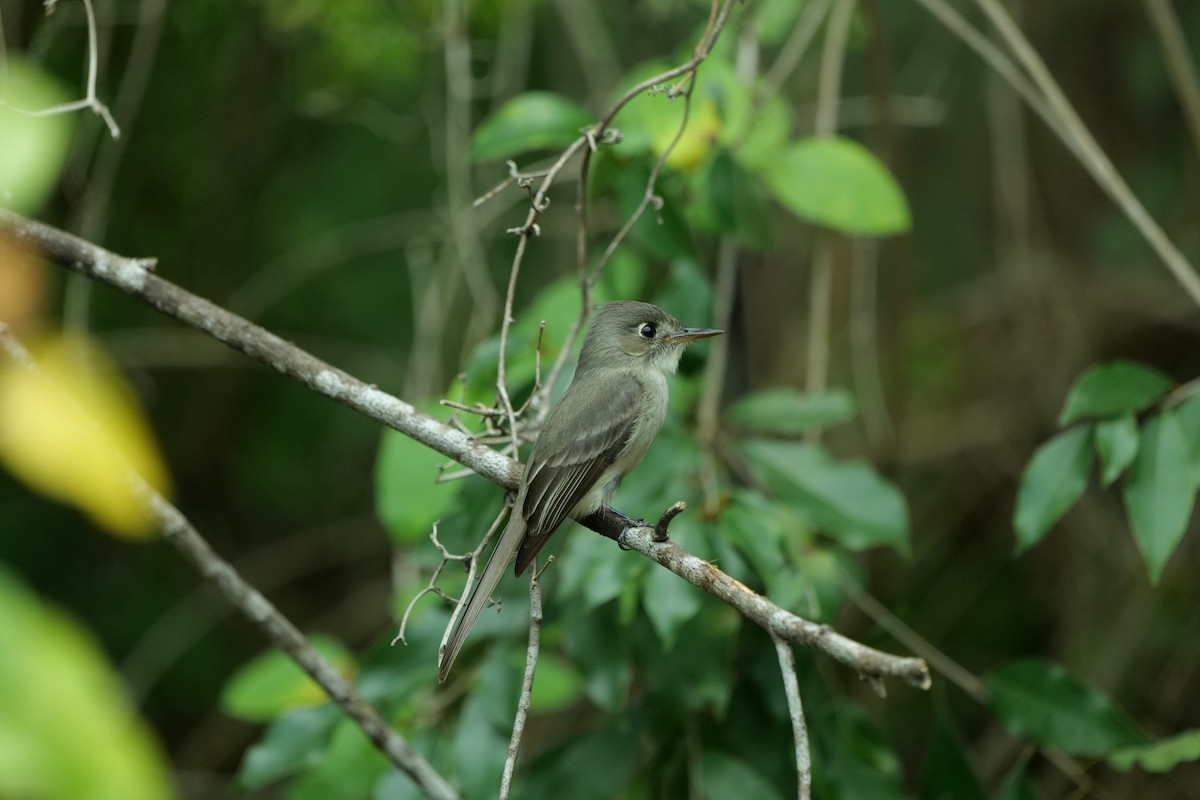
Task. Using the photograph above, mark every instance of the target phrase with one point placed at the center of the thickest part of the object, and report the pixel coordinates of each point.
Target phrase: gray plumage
(593, 437)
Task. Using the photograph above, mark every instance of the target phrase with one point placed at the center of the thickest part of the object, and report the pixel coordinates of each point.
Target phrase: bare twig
(718, 16)
(472, 559)
(902, 633)
(463, 236)
(820, 301)
(791, 687)
(431, 587)
(829, 79)
(180, 532)
(1048, 100)
(256, 608)
(649, 198)
(90, 101)
(132, 277)
(1179, 63)
(870, 664)
(531, 658)
(793, 49)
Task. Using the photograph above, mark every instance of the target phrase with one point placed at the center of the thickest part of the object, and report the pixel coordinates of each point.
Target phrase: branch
(871, 665)
(180, 532)
(531, 657)
(279, 629)
(90, 101)
(133, 276)
(791, 687)
(1044, 96)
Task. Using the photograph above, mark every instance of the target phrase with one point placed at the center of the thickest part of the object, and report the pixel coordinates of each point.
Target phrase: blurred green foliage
(294, 160)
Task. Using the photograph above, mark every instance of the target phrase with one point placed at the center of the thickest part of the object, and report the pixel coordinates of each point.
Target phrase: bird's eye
(647, 331)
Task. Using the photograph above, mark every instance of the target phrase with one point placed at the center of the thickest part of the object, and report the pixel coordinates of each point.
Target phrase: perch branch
(133, 276)
(179, 531)
(791, 687)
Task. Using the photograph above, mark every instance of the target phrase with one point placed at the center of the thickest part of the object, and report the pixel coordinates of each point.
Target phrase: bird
(593, 437)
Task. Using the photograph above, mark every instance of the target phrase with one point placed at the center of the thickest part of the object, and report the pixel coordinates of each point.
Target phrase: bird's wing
(554, 482)
(602, 423)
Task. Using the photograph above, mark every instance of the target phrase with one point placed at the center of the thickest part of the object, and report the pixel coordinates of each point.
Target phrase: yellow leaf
(703, 129)
(71, 430)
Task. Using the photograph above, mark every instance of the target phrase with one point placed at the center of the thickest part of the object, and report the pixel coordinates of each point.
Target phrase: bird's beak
(692, 334)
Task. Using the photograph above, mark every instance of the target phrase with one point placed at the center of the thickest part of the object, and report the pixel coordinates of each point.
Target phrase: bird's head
(628, 333)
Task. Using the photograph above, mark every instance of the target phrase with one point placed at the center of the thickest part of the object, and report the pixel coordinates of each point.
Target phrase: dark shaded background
(289, 160)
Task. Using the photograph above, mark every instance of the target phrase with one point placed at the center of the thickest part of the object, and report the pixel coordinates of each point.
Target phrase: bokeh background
(307, 165)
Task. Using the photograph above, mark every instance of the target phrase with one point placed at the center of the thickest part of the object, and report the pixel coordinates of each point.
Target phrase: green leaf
(1049, 706)
(1188, 414)
(849, 500)
(790, 411)
(725, 775)
(697, 674)
(594, 766)
(731, 200)
(838, 183)
(859, 763)
(273, 683)
(1115, 387)
(293, 742)
(1052, 482)
(1017, 785)
(530, 121)
(661, 231)
(557, 687)
(948, 774)
(408, 498)
(1116, 444)
(32, 149)
(595, 642)
(67, 729)
(1160, 491)
(479, 750)
(1161, 756)
(348, 770)
(669, 602)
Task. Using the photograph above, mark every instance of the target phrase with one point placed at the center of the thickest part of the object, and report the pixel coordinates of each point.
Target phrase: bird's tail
(481, 592)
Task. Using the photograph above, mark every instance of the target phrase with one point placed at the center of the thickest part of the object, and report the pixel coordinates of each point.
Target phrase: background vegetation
(312, 166)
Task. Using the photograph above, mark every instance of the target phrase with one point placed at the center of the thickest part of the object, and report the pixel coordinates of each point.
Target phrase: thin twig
(902, 633)
(793, 49)
(1052, 105)
(472, 559)
(531, 658)
(829, 78)
(791, 687)
(260, 611)
(431, 587)
(724, 290)
(649, 198)
(90, 101)
(463, 235)
(180, 532)
(864, 353)
(870, 664)
(820, 301)
(1179, 63)
(718, 16)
